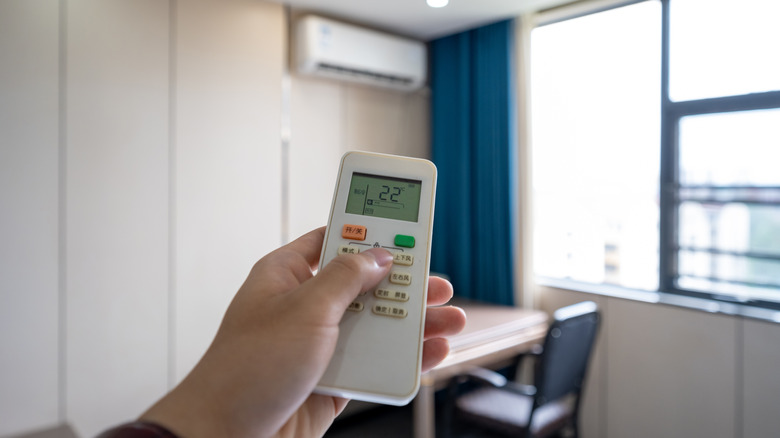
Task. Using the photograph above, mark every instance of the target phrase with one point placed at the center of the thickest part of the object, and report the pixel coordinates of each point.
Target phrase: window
(596, 82)
(655, 146)
(723, 48)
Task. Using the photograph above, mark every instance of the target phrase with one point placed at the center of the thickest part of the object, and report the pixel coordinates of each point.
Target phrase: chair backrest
(567, 350)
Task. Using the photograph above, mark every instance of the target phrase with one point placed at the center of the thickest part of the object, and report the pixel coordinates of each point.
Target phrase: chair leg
(575, 428)
(448, 413)
(528, 433)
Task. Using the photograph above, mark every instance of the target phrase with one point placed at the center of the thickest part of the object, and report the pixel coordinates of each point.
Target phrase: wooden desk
(492, 334)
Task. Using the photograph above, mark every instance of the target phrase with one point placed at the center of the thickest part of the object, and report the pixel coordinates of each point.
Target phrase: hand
(276, 340)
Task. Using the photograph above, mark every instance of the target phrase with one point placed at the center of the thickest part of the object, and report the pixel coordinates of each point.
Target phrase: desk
(492, 334)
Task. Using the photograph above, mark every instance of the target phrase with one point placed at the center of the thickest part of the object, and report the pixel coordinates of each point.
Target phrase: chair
(552, 403)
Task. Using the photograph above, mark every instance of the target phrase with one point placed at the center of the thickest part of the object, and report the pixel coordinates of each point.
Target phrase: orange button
(353, 232)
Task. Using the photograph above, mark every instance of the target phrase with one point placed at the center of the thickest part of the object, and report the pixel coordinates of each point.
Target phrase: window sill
(700, 304)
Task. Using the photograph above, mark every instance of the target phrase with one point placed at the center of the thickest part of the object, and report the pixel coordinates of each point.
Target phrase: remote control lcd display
(383, 196)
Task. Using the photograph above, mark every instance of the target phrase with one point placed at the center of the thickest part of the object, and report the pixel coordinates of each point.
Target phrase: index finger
(308, 246)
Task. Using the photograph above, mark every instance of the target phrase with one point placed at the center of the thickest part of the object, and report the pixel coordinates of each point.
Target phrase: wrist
(138, 429)
(187, 412)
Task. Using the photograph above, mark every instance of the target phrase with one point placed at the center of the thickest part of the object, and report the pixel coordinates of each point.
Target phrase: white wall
(29, 214)
(142, 173)
(115, 179)
(229, 64)
(329, 118)
(139, 142)
(666, 371)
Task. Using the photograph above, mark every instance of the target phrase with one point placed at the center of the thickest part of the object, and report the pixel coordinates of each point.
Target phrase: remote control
(383, 201)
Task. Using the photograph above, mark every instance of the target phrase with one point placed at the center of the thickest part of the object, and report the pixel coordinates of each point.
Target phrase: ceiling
(415, 19)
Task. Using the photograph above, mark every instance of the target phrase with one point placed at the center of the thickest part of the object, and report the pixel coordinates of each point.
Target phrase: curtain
(473, 146)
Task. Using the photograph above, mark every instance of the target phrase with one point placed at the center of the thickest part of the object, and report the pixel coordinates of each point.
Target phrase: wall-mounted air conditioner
(337, 50)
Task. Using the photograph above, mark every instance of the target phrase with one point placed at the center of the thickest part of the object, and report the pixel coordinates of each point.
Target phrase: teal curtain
(473, 146)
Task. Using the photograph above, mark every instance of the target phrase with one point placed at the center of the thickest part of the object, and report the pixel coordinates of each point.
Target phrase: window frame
(672, 112)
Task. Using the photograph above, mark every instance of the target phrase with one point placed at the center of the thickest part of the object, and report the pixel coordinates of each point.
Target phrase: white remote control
(382, 201)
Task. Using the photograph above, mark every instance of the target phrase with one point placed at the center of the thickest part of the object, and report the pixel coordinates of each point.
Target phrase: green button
(404, 241)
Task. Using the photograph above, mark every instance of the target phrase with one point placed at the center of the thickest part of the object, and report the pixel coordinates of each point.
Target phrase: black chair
(551, 405)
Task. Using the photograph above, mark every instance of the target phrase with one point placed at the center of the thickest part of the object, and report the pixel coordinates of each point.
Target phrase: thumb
(341, 280)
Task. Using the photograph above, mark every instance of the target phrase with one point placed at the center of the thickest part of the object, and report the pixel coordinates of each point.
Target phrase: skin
(275, 341)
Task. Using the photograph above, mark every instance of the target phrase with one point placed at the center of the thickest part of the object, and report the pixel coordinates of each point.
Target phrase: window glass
(728, 149)
(595, 90)
(729, 215)
(738, 277)
(732, 227)
(723, 48)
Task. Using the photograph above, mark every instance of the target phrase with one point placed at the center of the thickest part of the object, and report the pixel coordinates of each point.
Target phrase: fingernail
(383, 257)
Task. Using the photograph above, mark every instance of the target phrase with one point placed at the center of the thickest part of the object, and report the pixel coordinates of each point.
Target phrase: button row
(394, 295)
(385, 310)
(399, 258)
(359, 232)
(380, 309)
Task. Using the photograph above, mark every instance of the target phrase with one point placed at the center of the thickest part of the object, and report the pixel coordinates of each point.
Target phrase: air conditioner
(337, 50)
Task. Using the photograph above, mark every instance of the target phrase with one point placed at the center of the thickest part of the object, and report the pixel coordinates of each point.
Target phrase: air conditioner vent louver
(336, 50)
(340, 70)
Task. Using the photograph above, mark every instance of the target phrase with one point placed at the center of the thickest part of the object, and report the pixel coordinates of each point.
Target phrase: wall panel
(29, 212)
(117, 209)
(316, 147)
(672, 372)
(227, 191)
(760, 381)
(384, 121)
(415, 139)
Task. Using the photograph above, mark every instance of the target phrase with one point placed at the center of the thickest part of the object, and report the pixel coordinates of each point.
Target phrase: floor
(392, 422)
(61, 431)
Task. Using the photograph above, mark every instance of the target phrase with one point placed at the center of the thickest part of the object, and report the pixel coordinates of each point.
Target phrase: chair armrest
(486, 376)
(521, 388)
(496, 380)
